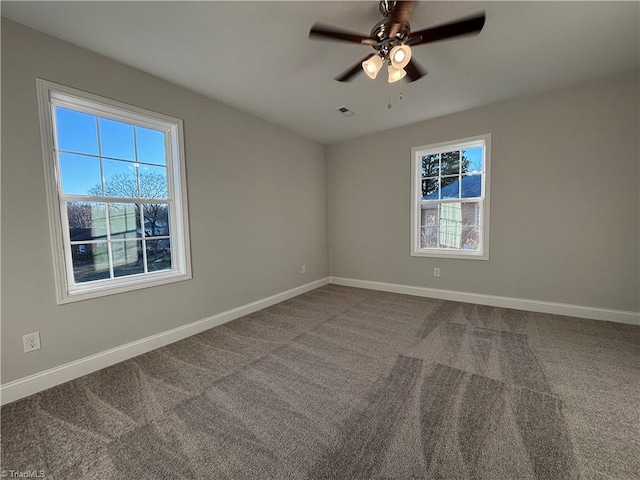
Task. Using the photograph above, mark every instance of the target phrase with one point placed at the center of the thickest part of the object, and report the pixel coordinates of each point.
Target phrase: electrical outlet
(31, 342)
(436, 272)
(303, 269)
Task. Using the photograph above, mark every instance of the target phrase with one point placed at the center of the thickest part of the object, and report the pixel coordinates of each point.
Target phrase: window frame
(51, 95)
(416, 198)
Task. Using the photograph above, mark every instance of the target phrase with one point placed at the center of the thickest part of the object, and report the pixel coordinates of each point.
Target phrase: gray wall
(257, 204)
(564, 199)
(564, 218)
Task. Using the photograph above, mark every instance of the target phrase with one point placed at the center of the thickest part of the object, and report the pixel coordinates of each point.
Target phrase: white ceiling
(257, 57)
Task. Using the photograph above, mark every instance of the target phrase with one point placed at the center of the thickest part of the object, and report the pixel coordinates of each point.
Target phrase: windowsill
(96, 291)
(458, 254)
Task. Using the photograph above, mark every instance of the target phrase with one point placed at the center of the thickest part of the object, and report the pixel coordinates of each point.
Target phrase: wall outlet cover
(31, 342)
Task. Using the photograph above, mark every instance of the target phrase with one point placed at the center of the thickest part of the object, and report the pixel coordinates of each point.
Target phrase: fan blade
(357, 68)
(400, 15)
(458, 28)
(414, 71)
(332, 33)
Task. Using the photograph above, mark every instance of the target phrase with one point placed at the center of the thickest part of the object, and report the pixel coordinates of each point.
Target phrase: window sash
(113, 279)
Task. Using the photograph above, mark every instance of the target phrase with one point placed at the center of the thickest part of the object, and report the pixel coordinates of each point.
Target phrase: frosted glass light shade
(400, 56)
(372, 66)
(396, 74)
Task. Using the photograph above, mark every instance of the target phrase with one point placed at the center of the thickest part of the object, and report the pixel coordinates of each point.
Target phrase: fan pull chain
(389, 91)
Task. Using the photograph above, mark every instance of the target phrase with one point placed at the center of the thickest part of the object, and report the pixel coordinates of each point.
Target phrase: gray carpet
(344, 383)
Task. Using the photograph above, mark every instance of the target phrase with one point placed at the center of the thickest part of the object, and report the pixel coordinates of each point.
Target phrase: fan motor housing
(380, 32)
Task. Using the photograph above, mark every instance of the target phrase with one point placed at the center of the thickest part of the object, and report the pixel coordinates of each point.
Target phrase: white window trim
(177, 185)
(416, 198)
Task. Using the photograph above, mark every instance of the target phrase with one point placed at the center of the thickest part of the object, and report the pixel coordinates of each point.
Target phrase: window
(117, 194)
(450, 199)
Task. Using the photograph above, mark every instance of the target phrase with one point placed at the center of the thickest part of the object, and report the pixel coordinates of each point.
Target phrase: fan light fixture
(396, 74)
(372, 66)
(400, 56)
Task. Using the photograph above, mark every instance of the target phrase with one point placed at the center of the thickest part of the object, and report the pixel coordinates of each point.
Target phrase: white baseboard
(579, 311)
(38, 382)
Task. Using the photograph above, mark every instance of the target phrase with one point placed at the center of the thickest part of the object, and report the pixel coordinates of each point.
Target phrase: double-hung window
(450, 199)
(117, 194)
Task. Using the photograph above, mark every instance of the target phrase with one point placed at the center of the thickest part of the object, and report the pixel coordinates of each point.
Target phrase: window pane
(124, 220)
(90, 261)
(150, 145)
(450, 163)
(450, 225)
(127, 258)
(429, 226)
(87, 221)
(80, 174)
(116, 139)
(430, 165)
(429, 215)
(158, 255)
(470, 238)
(471, 213)
(76, 132)
(153, 182)
(156, 219)
(471, 186)
(120, 179)
(429, 237)
(472, 160)
(450, 187)
(430, 189)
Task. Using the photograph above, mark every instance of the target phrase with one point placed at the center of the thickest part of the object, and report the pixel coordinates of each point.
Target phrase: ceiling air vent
(345, 111)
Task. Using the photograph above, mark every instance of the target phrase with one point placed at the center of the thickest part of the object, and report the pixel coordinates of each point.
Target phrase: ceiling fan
(391, 38)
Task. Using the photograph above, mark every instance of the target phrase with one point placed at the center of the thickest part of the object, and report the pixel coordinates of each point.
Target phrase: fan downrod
(386, 7)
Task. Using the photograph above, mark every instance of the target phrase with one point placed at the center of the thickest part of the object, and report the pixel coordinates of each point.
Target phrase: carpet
(346, 383)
